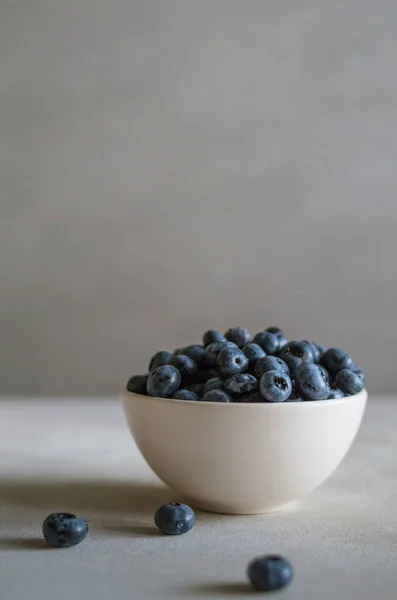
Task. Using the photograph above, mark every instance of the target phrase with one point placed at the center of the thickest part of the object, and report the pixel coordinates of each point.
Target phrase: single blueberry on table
(62, 530)
(159, 359)
(211, 336)
(267, 341)
(270, 573)
(239, 336)
(335, 359)
(275, 386)
(253, 352)
(311, 382)
(184, 394)
(163, 381)
(196, 353)
(137, 384)
(349, 382)
(232, 361)
(270, 363)
(242, 383)
(300, 349)
(216, 396)
(215, 383)
(213, 350)
(174, 518)
(186, 366)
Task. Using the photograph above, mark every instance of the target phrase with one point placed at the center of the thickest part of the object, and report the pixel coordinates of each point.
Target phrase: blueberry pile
(241, 367)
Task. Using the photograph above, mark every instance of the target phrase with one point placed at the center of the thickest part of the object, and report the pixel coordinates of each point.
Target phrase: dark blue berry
(301, 350)
(186, 366)
(159, 359)
(294, 395)
(211, 336)
(62, 530)
(335, 359)
(324, 373)
(292, 362)
(239, 336)
(360, 373)
(163, 381)
(213, 350)
(196, 388)
(232, 361)
(196, 353)
(174, 518)
(270, 573)
(282, 341)
(253, 352)
(349, 382)
(267, 341)
(137, 384)
(274, 330)
(322, 350)
(216, 396)
(270, 363)
(184, 394)
(214, 384)
(242, 383)
(314, 349)
(250, 398)
(335, 393)
(311, 382)
(275, 386)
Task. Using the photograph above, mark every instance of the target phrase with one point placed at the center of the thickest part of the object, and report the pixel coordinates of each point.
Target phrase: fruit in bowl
(246, 424)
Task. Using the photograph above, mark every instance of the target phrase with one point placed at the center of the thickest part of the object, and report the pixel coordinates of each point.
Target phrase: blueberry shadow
(236, 588)
(131, 530)
(22, 543)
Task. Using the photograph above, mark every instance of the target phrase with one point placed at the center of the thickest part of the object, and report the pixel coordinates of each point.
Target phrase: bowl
(243, 458)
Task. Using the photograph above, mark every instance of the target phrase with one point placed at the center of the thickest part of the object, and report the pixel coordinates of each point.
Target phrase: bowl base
(208, 507)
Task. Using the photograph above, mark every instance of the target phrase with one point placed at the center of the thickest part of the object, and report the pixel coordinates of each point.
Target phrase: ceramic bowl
(243, 458)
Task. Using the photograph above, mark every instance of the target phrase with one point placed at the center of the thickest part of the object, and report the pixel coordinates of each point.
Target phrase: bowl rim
(333, 401)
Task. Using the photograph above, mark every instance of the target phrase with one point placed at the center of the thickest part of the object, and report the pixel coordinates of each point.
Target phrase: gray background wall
(167, 166)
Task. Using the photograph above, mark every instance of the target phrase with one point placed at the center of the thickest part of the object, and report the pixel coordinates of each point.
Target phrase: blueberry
(311, 382)
(292, 362)
(270, 573)
(186, 366)
(62, 530)
(294, 395)
(214, 384)
(253, 352)
(211, 336)
(163, 381)
(242, 383)
(216, 348)
(322, 350)
(275, 386)
(196, 388)
(314, 349)
(270, 363)
(250, 398)
(203, 375)
(275, 331)
(267, 341)
(174, 518)
(324, 373)
(159, 359)
(335, 393)
(137, 384)
(216, 396)
(184, 394)
(196, 353)
(239, 336)
(349, 382)
(301, 350)
(335, 359)
(360, 373)
(282, 341)
(232, 361)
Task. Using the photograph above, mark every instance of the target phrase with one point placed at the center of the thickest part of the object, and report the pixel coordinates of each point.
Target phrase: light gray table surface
(76, 455)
